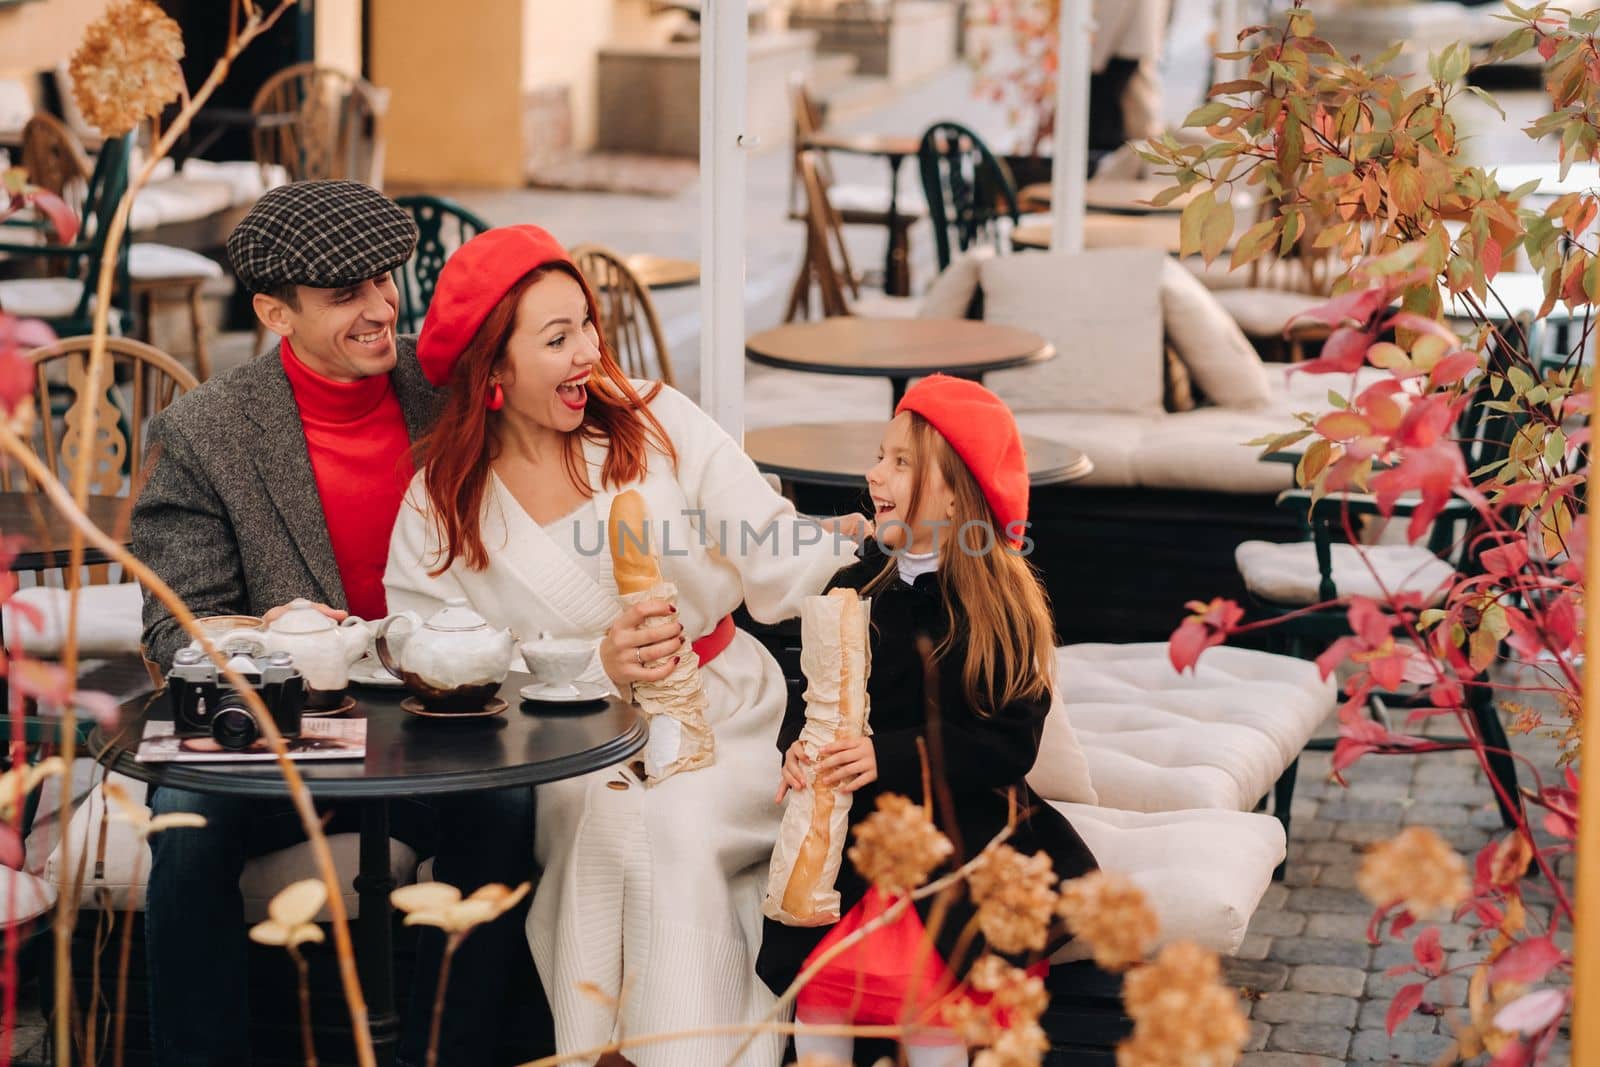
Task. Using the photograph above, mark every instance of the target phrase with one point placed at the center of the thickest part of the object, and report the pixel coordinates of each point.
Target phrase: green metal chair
(443, 226)
(970, 190)
(66, 303)
(1485, 435)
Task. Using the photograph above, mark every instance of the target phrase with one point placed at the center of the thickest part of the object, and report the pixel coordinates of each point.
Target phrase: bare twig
(452, 942)
(308, 1045)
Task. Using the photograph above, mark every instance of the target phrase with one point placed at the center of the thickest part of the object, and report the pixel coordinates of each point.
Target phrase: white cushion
(874, 197)
(1216, 737)
(1204, 872)
(883, 306)
(1206, 449)
(1287, 573)
(951, 292)
(23, 897)
(1061, 771)
(1110, 440)
(41, 298)
(1265, 312)
(182, 200)
(1220, 358)
(245, 180)
(109, 621)
(1101, 310)
(121, 867)
(150, 262)
(16, 104)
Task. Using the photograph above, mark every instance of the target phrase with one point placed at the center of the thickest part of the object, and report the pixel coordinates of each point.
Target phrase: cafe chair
(442, 227)
(633, 329)
(157, 273)
(319, 122)
(63, 293)
(826, 265)
(858, 204)
(971, 195)
(1284, 579)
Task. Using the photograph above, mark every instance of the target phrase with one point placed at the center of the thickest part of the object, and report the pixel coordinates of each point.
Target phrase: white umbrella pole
(1071, 138)
(724, 25)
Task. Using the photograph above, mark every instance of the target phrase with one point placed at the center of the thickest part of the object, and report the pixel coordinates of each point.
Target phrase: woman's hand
(794, 777)
(856, 526)
(849, 764)
(642, 635)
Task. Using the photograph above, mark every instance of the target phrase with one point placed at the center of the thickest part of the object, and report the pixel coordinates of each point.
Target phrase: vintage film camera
(204, 704)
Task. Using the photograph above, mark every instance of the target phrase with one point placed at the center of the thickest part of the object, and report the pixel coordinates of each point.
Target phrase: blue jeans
(196, 939)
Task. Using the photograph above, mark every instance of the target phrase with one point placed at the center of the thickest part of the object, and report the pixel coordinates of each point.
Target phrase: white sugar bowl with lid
(453, 661)
(323, 650)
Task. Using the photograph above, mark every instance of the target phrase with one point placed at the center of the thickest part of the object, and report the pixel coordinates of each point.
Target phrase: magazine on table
(319, 739)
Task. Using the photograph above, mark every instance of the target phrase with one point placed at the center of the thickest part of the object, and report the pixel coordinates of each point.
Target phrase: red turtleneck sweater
(361, 459)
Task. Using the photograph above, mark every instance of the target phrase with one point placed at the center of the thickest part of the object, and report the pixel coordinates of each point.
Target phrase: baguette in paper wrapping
(680, 738)
(805, 862)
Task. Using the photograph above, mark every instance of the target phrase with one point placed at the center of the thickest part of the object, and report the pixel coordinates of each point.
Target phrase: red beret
(474, 279)
(984, 434)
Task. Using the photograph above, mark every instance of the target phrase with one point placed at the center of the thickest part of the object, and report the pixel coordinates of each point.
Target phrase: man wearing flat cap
(279, 480)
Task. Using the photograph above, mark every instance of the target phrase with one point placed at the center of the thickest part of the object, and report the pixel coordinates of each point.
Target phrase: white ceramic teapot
(323, 650)
(453, 661)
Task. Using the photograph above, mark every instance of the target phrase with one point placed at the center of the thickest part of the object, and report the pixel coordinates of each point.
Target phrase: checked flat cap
(324, 234)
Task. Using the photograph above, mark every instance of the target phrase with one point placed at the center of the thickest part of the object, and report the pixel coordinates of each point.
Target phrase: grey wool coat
(229, 516)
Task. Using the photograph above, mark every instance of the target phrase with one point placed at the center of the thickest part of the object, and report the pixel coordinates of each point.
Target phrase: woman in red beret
(650, 895)
(947, 563)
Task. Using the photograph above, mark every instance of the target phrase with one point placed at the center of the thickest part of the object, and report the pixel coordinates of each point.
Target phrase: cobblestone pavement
(1315, 989)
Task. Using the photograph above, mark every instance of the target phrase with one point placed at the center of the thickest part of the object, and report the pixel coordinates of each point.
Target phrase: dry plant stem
(452, 943)
(66, 911)
(122, 965)
(298, 794)
(890, 914)
(308, 1046)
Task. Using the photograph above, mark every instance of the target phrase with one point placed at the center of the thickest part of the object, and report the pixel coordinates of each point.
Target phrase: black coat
(982, 757)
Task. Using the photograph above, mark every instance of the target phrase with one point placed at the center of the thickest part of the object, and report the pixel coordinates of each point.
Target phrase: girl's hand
(641, 635)
(849, 764)
(794, 777)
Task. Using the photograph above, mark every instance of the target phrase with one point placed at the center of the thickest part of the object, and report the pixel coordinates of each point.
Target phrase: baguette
(801, 901)
(627, 532)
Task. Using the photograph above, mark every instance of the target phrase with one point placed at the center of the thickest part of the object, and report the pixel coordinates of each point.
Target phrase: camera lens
(232, 725)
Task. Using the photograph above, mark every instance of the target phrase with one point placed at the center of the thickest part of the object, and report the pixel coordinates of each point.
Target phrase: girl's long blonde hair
(992, 595)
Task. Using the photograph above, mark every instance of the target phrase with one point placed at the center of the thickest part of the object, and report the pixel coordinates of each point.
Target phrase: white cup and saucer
(556, 662)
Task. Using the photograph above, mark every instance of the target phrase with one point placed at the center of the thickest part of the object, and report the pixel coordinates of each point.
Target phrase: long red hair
(456, 455)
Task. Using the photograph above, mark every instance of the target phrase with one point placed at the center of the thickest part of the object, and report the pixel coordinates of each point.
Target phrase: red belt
(711, 645)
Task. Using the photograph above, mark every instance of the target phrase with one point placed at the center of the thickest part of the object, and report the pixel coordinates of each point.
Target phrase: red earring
(497, 399)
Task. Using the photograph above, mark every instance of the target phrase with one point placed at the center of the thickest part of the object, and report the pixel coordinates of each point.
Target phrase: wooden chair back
(137, 381)
(627, 314)
(336, 131)
(808, 123)
(442, 227)
(824, 238)
(970, 190)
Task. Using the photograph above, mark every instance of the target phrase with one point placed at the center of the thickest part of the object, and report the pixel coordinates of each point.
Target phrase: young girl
(950, 490)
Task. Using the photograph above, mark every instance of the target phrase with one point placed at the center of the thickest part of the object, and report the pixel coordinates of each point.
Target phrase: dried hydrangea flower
(898, 846)
(1417, 869)
(1018, 994)
(1017, 1046)
(126, 70)
(1181, 1012)
(1181, 965)
(1016, 898)
(1111, 913)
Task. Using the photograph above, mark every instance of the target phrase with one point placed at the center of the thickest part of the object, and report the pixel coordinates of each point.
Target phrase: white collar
(914, 565)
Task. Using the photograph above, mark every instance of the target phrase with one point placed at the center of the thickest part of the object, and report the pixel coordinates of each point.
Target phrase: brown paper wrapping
(811, 839)
(680, 737)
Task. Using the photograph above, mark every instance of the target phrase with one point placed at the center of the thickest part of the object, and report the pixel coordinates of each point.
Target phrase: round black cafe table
(897, 349)
(406, 756)
(837, 454)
